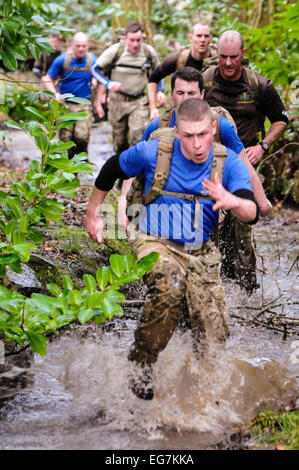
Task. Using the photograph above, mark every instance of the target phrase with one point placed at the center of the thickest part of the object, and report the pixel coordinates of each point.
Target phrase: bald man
(73, 69)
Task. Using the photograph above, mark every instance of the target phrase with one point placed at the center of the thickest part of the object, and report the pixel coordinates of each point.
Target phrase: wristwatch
(264, 146)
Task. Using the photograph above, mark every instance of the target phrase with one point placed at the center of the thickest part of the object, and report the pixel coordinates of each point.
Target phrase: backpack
(67, 63)
(167, 137)
(120, 50)
(184, 54)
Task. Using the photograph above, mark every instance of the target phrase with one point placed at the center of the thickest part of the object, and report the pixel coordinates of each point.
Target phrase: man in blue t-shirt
(73, 68)
(188, 264)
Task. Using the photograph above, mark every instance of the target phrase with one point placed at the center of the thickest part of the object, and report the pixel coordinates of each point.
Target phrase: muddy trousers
(237, 248)
(179, 277)
(129, 118)
(78, 132)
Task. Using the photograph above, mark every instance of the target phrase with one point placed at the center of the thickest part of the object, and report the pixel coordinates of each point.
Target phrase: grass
(280, 431)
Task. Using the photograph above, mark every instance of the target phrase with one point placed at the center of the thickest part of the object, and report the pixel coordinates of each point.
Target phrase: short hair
(193, 109)
(188, 74)
(133, 27)
(230, 36)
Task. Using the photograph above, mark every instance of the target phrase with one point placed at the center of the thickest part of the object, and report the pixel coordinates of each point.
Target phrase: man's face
(184, 90)
(230, 57)
(79, 47)
(196, 139)
(54, 41)
(200, 38)
(134, 41)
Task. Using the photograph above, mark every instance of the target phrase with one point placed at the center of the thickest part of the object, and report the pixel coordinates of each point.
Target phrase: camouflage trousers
(129, 118)
(80, 131)
(180, 277)
(237, 248)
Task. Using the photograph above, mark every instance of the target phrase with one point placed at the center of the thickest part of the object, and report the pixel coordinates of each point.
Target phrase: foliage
(24, 27)
(274, 48)
(29, 320)
(17, 99)
(28, 208)
(277, 429)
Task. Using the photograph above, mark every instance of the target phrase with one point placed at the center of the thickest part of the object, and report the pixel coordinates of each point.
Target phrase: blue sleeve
(229, 137)
(56, 66)
(153, 125)
(97, 74)
(235, 173)
(132, 161)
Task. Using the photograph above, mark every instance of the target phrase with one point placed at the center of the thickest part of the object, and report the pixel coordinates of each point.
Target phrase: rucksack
(120, 50)
(167, 137)
(184, 54)
(67, 63)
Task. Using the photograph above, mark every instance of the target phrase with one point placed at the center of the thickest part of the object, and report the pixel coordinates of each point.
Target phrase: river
(78, 396)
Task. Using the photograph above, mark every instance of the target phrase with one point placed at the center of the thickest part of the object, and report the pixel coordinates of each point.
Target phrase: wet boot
(141, 383)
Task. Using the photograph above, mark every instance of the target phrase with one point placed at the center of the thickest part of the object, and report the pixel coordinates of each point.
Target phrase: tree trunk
(143, 10)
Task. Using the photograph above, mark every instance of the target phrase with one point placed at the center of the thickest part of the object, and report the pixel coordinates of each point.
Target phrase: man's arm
(265, 205)
(256, 152)
(50, 85)
(94, 222)
(244, 209)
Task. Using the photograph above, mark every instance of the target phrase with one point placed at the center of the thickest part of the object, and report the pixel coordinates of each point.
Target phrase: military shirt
(237, 97)
(133, 80)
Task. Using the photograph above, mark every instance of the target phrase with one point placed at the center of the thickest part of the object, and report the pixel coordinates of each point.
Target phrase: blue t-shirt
(228, 135)
(77, 83)
(172, 217)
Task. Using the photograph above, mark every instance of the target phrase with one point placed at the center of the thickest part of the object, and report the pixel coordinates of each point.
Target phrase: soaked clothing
(229, 138)
(185, 271)
(170, 216)
(179, 276)
(79, 132)
(237, 97)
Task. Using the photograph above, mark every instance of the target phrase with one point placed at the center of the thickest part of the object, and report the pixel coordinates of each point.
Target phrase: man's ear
(176, 132)
(202, 94)
(214, 127)
(189, 36)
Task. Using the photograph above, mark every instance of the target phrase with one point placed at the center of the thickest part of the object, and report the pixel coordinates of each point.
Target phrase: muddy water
(79, 397)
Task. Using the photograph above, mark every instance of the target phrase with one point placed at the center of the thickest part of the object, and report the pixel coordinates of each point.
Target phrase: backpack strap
(219, 156)
(165, 118)
(164, 156)
(217, 136)
(209, 78)
(182, 58)
(67, 63)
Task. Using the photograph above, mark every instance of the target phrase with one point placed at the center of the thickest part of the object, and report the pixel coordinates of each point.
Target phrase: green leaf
(67, 282)
(148, 261)
(14, 125)
(36, 113)
(90, 283)
(73, 117)
(15, 206)
(85, 315)
(117, 264)
(76, 99)
(9, 259)
(35, 235)
(52, 210)
(24, 250)
(60, 146)
(9, 60)
(54, 289)
(110, 308)
(37, 342)
(102, 276)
